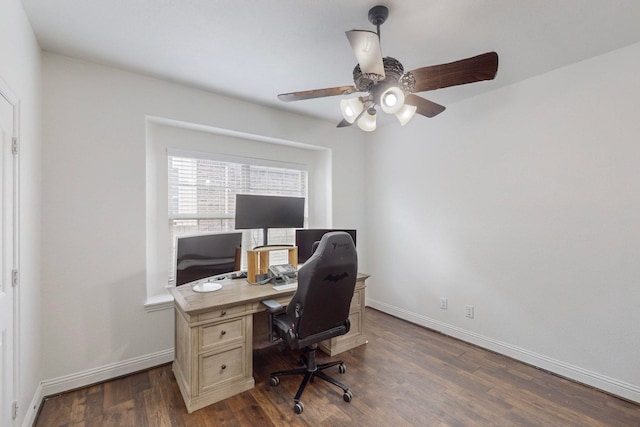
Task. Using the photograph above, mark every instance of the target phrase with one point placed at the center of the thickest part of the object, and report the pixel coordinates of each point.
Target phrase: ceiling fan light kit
(406, 113)
(389, 86)
(367, 121)
(351, 109)
(392, 100)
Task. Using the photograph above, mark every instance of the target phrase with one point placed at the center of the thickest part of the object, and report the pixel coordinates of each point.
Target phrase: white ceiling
(255, 49)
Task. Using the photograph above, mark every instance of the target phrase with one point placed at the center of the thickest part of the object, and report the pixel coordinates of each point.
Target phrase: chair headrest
(334, 243)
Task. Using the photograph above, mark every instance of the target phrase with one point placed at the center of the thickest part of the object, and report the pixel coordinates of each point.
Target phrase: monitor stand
(265, 243)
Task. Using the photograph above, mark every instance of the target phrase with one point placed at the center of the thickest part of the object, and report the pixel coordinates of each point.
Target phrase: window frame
(163, 135)
(250, 238)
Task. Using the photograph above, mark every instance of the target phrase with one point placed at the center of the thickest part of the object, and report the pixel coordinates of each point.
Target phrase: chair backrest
(325, 286)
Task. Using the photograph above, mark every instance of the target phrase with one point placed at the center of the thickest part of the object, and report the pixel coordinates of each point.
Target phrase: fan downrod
(378, 14)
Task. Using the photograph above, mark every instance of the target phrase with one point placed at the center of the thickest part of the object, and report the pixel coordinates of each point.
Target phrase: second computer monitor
(206, 255)
(306, 237)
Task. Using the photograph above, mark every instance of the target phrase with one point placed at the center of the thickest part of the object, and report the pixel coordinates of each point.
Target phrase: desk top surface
(233, 292)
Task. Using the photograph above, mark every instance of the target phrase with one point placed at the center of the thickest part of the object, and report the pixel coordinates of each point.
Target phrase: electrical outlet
(444, 303)
(469, 311)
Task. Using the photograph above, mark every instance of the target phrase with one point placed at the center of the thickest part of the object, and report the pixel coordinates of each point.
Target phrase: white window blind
(202, 196)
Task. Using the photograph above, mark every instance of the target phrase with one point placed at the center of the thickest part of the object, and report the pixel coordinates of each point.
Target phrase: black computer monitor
(264, 212)
(306, 237)
(206, 255)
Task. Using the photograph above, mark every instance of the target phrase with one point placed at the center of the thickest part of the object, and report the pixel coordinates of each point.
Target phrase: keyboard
(286, 286)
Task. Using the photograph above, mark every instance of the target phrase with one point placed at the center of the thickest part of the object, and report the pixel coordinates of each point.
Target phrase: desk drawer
(222, 313)
(218, 368)
(220, 333)
(356, 325)
(355, 300)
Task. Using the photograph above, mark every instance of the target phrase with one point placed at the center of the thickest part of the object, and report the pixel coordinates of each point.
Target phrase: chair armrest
(273, 306)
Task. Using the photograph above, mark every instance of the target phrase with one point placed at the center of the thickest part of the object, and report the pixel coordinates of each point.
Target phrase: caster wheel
(347, 396)
(298, 408)
(274, 381)
(342, 368)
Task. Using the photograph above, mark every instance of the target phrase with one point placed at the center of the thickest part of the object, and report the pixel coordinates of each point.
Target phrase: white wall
(94, 200)
(20, 70)
(523, 203)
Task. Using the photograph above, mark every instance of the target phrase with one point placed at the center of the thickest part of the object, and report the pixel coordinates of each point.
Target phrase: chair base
(310, 372)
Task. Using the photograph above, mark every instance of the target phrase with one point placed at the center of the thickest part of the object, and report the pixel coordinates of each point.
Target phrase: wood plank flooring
(405, 376)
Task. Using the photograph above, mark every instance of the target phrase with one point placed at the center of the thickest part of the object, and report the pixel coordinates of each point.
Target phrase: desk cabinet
(356, 335)
(213, 357)
(214, 338)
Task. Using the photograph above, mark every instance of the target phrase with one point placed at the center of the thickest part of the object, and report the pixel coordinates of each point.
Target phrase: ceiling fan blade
(470, 70)
(316, 93)
(366, 47)
(425, 107)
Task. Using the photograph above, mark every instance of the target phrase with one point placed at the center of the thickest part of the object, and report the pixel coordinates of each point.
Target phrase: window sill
(159, 303)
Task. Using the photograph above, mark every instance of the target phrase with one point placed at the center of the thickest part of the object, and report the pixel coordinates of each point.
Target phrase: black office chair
(319, 309)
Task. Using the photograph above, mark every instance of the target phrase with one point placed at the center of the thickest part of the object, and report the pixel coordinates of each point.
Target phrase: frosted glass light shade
(367, 122)
(392, 100)
(406, 113)
(351, 109)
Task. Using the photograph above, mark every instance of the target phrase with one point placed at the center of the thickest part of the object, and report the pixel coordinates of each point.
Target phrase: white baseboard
(593, 379)
(92, 376)
(30, 417)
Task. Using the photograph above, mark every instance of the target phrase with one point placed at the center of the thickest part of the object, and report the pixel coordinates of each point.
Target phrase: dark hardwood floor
(406, 375)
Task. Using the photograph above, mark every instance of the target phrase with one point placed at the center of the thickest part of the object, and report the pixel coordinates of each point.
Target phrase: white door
(7, 344)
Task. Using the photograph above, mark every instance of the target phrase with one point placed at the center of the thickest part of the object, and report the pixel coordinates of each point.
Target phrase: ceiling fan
(389, 86)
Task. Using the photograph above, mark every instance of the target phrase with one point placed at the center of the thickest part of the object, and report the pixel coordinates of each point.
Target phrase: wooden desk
(214, 337)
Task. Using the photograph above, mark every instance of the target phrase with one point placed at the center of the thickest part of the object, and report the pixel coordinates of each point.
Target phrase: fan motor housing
(394, 76)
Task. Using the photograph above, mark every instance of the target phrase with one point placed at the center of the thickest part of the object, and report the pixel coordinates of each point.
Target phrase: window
(202, 194)
(260, 154)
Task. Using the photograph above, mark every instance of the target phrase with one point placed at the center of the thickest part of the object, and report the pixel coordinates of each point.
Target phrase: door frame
(14, 102)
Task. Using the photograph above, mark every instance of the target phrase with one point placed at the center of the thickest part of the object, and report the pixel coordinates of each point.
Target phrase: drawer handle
(223, 332)
(223, 367)
(223, 313)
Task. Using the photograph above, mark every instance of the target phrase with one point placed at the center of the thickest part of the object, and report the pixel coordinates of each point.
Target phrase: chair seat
(284, 328)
